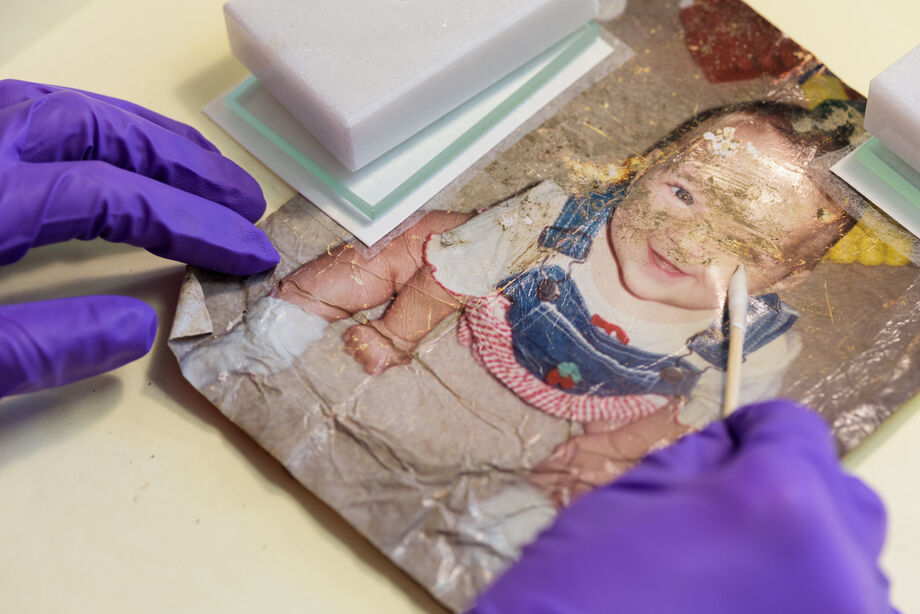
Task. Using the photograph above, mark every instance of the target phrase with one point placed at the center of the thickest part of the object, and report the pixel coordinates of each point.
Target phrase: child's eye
(682, 195)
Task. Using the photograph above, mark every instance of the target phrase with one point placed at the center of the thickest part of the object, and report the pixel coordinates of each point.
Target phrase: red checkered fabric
(484, 328)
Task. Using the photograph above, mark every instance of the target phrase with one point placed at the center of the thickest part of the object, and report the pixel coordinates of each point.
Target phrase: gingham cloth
(484, 328)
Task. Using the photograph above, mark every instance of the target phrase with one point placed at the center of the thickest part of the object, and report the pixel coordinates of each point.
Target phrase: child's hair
(830, 127)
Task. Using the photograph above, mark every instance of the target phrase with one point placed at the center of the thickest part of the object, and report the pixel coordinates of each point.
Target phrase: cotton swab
(737, 317)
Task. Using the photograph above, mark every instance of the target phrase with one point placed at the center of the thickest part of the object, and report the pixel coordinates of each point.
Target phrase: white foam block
(364, 75)
(893, 110)
(370, 231)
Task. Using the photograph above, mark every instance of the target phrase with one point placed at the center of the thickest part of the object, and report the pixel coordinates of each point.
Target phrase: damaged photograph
(558, 311)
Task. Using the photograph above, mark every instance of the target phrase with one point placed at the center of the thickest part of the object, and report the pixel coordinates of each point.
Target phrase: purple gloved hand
(751, 515)
(77, 165)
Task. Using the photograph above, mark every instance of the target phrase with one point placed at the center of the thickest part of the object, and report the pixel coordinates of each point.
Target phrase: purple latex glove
(751, 515)
(77, 165)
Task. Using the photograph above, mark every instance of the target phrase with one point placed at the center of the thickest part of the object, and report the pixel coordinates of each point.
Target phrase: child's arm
(469, 261)
(342, 281)
(602, 454)
(420, 305)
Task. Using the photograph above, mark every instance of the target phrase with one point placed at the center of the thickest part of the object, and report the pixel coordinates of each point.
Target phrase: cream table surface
(129, 492)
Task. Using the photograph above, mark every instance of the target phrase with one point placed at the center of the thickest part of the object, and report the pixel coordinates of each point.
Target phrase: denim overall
(552, 332)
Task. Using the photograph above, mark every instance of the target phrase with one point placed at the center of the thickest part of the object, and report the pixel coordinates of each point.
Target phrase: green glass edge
(891, 169)
(233, 102)
(576, 43)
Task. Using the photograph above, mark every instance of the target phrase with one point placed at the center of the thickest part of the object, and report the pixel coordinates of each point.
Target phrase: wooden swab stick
(737, 318)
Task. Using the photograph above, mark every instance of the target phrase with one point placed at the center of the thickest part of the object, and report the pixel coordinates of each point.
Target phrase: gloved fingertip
(255, 265)
(782, 423)
(53, 343)
(137, 321)
(122, 328)
(264, 262)
(268, 256)
(252, 201)
(238, 191)
(775, 414)
(770, 406)
(254, 254)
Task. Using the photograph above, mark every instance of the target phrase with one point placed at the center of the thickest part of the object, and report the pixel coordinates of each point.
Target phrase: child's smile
(663, 266)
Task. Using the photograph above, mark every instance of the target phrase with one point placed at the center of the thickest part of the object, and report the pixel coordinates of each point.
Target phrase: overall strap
(581, 219)
(573, 233)
(768, 317)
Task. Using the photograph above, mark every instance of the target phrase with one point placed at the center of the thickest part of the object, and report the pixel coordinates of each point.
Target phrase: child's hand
(580, 465)
(602, 454)
(753, 515)
(371, 346)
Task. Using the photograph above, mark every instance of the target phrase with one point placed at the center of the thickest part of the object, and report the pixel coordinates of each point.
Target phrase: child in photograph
(572, 300)
(601, 307)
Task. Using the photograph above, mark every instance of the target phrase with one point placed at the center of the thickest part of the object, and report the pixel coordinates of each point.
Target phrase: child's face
(736, 192)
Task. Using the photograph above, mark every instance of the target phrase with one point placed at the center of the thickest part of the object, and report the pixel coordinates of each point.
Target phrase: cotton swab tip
(737, 316)
(738, 298)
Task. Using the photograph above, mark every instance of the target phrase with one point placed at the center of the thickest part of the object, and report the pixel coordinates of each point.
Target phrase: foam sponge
(364, 75)
(893, 110)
